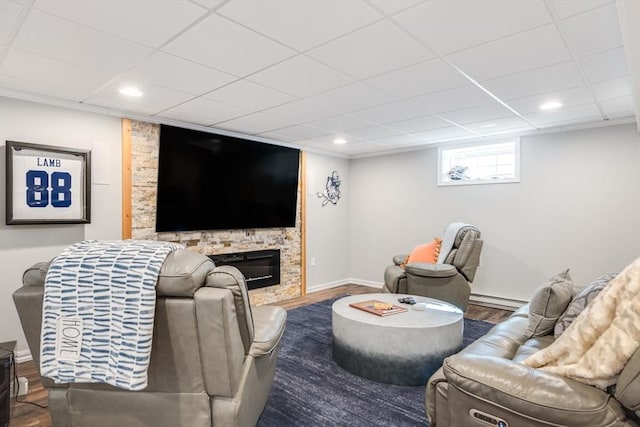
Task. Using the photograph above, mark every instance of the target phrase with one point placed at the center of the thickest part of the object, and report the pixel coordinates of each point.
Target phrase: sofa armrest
(531, 392)
(424, 269)
(395, 281)
(269, 323)
(399, 259)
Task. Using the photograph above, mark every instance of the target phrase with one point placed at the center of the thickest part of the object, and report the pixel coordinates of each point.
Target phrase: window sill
(477, 182)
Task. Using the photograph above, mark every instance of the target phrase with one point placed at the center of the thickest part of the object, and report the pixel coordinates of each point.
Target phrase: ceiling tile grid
(382, 74)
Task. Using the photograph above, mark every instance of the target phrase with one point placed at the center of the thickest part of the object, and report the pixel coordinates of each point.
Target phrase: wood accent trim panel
(126, 178)
(303, 223)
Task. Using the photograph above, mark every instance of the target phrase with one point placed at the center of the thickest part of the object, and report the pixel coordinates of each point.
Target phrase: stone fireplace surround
(144, 176)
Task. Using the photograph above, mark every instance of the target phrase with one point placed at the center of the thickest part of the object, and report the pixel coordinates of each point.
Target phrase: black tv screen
(216, 182)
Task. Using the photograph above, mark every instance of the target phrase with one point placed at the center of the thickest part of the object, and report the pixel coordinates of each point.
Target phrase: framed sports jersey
(47, 185)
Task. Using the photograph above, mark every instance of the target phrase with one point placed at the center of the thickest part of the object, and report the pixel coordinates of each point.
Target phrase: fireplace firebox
(260, 268)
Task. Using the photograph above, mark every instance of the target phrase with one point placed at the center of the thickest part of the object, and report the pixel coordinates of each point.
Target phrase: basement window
(479, 163)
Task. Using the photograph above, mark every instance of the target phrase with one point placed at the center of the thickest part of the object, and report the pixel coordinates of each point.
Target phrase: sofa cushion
(548, 304)
(580, 301)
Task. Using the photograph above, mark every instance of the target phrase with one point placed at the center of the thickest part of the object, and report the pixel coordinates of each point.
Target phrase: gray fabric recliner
(448, 280)
(213, 356)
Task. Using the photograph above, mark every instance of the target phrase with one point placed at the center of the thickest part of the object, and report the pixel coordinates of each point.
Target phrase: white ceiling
(382, 74)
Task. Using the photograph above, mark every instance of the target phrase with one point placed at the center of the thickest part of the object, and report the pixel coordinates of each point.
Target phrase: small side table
(6, 363)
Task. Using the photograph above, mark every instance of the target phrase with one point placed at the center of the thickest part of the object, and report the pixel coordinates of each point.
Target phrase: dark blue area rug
(310, 389)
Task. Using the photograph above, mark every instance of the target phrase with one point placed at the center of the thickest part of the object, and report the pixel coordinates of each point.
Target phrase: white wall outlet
(313, 261)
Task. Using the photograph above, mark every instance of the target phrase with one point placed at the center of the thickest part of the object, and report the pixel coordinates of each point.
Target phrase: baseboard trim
(347, 281)
(496, 302)
(369, 283)
(23, 356)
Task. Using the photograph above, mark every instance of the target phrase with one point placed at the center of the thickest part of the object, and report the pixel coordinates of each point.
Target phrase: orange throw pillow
(425, 253)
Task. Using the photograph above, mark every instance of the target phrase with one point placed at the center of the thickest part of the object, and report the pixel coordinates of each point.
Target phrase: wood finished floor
(26, 415)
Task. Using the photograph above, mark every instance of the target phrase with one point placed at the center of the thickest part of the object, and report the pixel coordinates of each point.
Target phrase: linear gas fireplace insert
(260, 268)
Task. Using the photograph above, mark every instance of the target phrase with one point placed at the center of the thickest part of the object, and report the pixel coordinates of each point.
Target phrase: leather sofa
(485, 384)
(213, 356)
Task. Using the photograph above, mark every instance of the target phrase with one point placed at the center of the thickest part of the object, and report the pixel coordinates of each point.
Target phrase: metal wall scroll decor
(331, 193)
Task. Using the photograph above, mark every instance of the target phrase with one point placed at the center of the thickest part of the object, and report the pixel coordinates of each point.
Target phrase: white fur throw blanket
(98, 312)
(598, 344)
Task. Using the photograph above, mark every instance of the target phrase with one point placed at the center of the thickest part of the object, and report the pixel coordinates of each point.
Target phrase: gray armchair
(447, 280)
(212, 361)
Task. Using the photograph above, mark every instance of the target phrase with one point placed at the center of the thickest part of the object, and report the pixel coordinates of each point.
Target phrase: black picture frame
(47, 184)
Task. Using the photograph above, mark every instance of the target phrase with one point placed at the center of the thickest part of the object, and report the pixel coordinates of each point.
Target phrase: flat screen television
(208, 181)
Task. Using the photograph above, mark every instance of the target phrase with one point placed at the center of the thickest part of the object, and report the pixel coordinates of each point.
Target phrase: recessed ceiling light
(130, 91)
(488, 125)
(339, 141)
(551, 105)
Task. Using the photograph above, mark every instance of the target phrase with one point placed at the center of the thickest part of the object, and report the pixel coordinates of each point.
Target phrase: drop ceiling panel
(342, 123)
(154, 100)
(444, 134)
(77, 44)
(300, 112)
(391, 7)
(204, 111)
(419, 124)
(208, 44)
(48, 71)
(144, 22)
(566, 8)
(499, 126)
(297, 133)
(357, 147)
(328, 140)
(254, 123)
(162, 69)
(300, 76)
(425, 77)
(376, 49)
(451, 99)
(514, 54)
(397, 140)
(564, 116)
(209, 4)
(11, 84)
(390, 113)
(605, 66)
(371, 132)
(301, 24)
(594, 31)
(9, 13)
(614, 88)
(448, 26)
(353, 97)
(252, 96)
(618, 107)
(542, 80)
(569, 98)
(476, 114)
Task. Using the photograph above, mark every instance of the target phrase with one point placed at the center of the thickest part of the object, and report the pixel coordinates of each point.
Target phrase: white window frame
(442, 182)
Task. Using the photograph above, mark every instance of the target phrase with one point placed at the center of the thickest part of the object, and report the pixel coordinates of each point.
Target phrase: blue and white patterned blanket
(98, 313)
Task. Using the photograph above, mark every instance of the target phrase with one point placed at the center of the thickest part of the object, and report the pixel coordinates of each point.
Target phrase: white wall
(576, 207)
(327, 227)
(23, 245)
